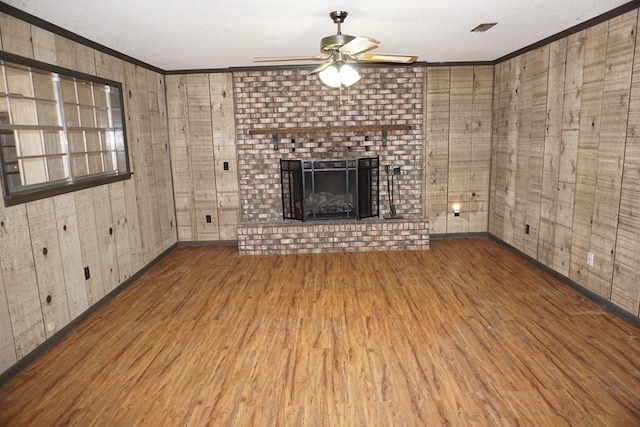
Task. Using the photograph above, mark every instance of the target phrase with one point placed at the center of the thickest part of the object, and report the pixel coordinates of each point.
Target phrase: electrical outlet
(590, 259)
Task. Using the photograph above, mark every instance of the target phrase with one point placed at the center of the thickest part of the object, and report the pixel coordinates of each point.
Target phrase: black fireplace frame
(297, 175)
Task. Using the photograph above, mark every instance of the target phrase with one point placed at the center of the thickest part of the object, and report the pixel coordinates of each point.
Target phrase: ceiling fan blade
(359, 45)
(386, 57)
(322, 67)
(290, 58)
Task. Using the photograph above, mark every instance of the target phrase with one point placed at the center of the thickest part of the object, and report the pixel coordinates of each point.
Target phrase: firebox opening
(329, 188)
(330, 193)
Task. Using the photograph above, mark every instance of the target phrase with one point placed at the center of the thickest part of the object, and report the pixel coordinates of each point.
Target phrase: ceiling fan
(337, 49)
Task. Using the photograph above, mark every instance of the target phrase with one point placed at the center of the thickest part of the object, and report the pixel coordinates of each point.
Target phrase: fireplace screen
(329, 188)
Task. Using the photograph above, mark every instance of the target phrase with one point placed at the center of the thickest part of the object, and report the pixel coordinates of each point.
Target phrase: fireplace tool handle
(390, 187)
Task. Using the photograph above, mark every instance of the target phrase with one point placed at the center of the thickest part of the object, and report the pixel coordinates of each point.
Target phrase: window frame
(52, 188)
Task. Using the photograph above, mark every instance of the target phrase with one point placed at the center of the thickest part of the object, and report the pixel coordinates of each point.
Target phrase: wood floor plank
(467, 333)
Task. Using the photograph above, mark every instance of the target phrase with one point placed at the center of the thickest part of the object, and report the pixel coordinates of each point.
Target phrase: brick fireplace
(287, 114)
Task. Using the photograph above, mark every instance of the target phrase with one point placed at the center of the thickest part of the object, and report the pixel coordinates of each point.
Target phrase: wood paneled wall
(457, 115)
(114, 230)
(203, 139)
(542, 150)
(457, 125)
(566, 157)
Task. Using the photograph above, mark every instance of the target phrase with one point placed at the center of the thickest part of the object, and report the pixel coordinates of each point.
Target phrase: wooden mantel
(372, 128)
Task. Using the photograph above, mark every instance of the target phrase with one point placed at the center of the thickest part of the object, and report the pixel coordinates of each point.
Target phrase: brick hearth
(288, 237)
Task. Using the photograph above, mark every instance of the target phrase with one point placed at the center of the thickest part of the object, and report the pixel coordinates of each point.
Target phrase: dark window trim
(29, 195)
(79, 184)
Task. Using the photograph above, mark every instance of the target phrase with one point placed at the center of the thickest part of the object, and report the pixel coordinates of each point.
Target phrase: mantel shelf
(372, 128)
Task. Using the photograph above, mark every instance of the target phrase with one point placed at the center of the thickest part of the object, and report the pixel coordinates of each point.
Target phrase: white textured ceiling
(205, 34)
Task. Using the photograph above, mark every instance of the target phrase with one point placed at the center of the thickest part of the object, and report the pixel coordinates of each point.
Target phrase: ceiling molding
(627, 7)
(45, 25)
(24, 16)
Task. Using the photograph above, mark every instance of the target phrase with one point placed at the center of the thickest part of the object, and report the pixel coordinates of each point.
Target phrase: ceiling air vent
(483, 27)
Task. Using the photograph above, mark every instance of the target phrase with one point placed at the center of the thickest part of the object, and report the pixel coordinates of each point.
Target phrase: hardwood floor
(464, 334)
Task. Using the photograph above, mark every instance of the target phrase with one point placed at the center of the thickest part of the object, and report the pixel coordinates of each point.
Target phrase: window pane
(57, 168)
(68, 91)
(103, 140)
(122, 161)
(23, 112)
(3, 88)
(71, 116)
(116, 111)
(9, 154)
(79, 165)
(87, 118)
(109, 161)
(4, 111)
(102, 118)
(85, 93)
(19, 81)
(13, 180)
(34, 170)
(100, 96)
(116, 116)
(110, 140)
(47, 114)
(93, 141)
(13, 168)
(119, 141)
(44, 86)
(76, 142)
(8, 142)
(52, 143)
(29, 143)
(95, 163)
(115, 99)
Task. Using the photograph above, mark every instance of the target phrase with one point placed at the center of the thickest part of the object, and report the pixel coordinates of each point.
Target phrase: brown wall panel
(202, 134)
(458, 116)
(103, 228)
(577, 161)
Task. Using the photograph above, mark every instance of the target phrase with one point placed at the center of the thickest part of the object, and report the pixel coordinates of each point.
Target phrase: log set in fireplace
(330, 188)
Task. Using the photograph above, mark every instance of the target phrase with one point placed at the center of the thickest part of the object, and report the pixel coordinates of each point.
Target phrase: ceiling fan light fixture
(348, 75)
(330, 76)
(339, 75)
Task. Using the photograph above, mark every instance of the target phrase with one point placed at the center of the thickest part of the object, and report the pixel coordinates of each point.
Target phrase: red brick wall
(292, 98)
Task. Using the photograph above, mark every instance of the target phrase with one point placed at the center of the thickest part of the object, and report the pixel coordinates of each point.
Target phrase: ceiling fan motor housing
(334, 42)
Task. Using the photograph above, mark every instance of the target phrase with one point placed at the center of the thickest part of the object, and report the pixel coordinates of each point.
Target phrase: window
(60, 131)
